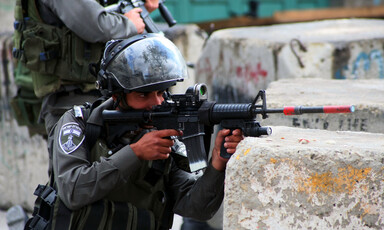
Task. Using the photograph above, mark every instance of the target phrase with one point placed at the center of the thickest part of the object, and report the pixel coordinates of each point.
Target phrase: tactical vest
(46, 58)
(141, 203)
(55, 55)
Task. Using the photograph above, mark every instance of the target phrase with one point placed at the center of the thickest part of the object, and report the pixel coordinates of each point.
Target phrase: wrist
(135, 150)
(218, 162)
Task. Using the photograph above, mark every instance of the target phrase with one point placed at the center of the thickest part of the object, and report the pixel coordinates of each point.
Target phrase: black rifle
(193, 113)
(125, 6)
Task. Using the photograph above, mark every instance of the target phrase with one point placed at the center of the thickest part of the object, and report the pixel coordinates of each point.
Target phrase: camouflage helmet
(142, 63)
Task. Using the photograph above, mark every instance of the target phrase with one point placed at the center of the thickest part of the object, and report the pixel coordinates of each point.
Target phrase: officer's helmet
(142, 63)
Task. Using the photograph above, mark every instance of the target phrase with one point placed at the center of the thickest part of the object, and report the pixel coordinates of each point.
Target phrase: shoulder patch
(71, 137)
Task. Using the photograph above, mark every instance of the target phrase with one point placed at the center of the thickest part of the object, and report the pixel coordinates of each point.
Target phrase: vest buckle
(46, 193)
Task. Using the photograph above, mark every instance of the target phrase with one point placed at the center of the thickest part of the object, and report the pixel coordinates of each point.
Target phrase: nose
(159, 99)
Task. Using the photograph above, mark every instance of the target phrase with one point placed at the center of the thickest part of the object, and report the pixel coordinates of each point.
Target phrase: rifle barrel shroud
(191, 113)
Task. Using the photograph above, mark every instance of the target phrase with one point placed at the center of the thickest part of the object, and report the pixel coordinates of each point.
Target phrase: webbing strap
(24, 6)
(63, 217)
(121, 215)
(127, 216)
(144, 219)
(96, 214)
(19, 25)
(48, 55)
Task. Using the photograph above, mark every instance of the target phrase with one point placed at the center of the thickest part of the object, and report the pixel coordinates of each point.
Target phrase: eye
(160, 93)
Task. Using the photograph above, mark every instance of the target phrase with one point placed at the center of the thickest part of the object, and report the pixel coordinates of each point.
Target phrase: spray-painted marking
(355, 124)
(363, 62)
(251, 73)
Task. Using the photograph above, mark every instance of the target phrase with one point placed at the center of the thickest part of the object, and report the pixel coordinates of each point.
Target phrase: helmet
(142, 63)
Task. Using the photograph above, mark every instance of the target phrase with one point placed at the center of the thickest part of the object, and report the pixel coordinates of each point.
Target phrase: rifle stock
(193, 113)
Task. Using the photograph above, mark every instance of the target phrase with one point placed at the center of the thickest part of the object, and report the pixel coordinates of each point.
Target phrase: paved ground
(3, 222)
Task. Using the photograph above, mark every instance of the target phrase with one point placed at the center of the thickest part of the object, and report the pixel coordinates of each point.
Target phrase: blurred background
(217, 14)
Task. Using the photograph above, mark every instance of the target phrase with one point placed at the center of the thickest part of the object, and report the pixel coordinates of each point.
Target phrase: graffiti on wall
(246, 73)
(362, 64)
(249, 72)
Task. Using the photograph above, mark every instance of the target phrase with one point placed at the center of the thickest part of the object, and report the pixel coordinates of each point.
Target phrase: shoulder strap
(92, 130)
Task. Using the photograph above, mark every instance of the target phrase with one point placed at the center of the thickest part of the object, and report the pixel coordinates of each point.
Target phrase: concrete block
(247, 59)
(190, 40)
(366, 95)
(306, 179)
(245, 64)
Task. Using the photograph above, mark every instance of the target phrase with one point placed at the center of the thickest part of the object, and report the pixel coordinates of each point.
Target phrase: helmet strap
(121, 102)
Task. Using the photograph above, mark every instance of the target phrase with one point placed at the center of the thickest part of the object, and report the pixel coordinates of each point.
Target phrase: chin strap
(121, 102)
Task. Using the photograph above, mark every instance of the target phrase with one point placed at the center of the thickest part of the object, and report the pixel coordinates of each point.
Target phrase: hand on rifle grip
(232, 140)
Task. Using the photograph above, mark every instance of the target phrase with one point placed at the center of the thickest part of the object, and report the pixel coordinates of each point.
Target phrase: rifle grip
(223, 150)
(166, 15)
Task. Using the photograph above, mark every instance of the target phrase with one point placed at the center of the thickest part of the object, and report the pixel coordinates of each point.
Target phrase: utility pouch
(82, 54)
(56, 56)
(25, 105)
(41, 47)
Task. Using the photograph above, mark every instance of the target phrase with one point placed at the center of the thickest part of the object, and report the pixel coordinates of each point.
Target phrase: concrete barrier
(238, 62)
(306, 179)
(366, 95)
(190, 40)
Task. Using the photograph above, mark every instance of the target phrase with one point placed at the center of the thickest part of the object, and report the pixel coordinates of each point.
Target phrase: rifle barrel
(297, 110)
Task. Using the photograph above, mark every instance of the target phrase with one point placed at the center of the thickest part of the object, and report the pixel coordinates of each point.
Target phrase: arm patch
(71, 137)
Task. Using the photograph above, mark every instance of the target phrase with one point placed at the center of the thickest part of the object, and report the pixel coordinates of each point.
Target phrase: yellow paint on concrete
(273, 160)
(343, 182)
(246, 152)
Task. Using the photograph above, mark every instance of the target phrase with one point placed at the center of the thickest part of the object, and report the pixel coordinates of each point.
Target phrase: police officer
(57, 40)
(89, 21)
(131, 182)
